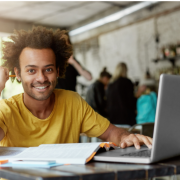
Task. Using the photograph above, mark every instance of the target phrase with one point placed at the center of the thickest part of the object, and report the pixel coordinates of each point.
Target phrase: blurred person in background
(73, 70)
(96, 96)
(146, 102)
(121, 103)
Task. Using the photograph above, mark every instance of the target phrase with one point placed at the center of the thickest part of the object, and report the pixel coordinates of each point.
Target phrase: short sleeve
(2, 124)
(93, 124)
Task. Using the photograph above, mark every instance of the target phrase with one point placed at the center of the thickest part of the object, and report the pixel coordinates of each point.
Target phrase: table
(95, 171)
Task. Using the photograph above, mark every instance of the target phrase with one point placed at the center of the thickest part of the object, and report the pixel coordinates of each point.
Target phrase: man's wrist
(1, 89)
(124, 134)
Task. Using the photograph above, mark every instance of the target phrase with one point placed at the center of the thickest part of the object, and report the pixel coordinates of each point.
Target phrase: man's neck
(40, 109)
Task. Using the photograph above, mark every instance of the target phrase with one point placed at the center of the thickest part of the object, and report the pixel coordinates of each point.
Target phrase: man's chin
(40, 96)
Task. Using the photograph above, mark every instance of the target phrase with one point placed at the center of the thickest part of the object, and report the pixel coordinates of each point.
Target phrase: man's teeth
(43, 87)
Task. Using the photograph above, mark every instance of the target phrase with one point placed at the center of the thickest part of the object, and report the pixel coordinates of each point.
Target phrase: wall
(130, 39)
(134, 43)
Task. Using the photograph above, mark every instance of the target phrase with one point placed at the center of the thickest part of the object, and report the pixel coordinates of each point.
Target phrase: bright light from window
(112, 17)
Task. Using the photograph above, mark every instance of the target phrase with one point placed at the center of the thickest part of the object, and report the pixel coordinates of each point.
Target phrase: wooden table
(95, 171)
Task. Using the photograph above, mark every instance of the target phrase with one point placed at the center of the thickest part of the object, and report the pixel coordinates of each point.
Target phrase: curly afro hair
(37, 38)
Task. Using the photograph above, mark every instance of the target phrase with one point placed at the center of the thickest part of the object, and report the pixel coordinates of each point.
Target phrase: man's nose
(41, 77)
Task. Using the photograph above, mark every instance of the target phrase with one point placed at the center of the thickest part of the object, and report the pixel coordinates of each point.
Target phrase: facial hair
(41, 95)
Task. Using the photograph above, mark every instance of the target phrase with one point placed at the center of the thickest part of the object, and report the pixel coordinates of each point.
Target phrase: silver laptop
(166, 137)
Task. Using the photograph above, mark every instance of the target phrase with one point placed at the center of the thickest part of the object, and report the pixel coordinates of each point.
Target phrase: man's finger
(133, 140)
(123, 145)
(150, 139)
(6, 73)
(145, 140)
(136, 142)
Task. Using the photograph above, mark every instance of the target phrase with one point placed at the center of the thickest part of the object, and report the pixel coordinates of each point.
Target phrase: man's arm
(4, 76)
(124, 139)
(79, 68)
(1, 134)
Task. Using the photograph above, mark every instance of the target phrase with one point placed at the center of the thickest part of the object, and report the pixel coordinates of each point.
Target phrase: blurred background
(104, 33)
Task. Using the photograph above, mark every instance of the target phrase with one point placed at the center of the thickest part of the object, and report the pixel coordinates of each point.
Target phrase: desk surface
(95, 171)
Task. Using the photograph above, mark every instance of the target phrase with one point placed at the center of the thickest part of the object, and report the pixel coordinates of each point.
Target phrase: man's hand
(4, 76)
(136, 140)
(124, 139)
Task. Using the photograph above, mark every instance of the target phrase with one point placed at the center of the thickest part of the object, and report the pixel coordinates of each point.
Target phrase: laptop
(166, 136)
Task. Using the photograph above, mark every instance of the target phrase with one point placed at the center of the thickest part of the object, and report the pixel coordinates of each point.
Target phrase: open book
(71, 153)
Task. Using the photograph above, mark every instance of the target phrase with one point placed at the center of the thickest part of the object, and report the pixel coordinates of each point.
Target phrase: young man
(42, 114)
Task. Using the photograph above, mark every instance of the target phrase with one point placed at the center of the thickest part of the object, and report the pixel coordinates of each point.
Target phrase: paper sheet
(9, 152)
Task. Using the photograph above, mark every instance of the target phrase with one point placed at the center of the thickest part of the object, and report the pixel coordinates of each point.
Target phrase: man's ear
(17, 73)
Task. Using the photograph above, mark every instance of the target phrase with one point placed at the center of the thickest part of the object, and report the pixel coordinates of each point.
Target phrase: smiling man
(43, 114)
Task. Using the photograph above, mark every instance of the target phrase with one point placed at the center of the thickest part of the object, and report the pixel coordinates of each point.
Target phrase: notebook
(69, 153)
(166, 137)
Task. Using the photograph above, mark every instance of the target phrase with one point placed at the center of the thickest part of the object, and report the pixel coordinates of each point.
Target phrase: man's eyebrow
(37, 66)
(49, 65)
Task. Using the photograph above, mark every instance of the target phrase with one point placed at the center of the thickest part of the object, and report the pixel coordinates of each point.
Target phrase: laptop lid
(166, 141)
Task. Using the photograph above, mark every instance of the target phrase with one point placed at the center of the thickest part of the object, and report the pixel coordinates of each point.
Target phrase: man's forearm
(124, 139)
(114, 134)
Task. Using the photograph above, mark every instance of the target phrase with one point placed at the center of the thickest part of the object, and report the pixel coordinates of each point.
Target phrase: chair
(146, 129)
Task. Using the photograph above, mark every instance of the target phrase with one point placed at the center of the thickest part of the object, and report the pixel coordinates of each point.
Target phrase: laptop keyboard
(145, 153)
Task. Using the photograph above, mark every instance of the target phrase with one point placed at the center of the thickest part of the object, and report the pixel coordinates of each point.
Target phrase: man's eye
(31, 70)
(48, 70)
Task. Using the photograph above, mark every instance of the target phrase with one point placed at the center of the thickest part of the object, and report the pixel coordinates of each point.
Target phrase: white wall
(134, 44)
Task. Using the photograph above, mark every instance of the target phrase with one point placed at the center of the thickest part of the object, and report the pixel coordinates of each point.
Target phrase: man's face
(38, 72)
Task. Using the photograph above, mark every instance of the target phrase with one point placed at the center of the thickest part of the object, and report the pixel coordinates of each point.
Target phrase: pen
(3, 161)
(12, 75)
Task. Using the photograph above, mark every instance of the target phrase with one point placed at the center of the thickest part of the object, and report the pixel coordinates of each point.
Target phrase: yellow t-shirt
(71, 116)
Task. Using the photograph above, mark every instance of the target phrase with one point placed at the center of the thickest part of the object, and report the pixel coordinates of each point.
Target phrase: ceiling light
(112, 17)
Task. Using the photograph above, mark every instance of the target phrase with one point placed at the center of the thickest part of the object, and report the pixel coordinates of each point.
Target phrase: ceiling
(57, 13)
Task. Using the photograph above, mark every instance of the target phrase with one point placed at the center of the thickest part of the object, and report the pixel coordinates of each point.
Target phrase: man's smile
(41, 87)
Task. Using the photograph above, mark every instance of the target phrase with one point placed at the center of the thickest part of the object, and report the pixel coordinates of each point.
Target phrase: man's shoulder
(11, 102)
(64, 94)
(68, 98)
